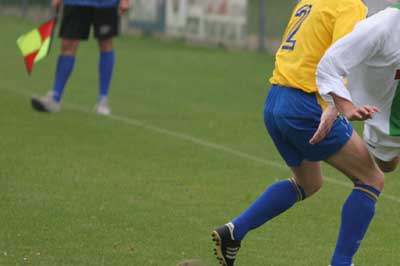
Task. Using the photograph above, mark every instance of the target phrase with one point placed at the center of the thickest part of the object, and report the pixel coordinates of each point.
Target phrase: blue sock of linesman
(65, 65)
(106, 67)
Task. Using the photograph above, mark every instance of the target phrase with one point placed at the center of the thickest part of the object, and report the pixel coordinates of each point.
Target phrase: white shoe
(45, 103)
(102, 107)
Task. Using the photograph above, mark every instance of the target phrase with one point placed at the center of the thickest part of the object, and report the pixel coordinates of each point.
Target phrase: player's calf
(355, 162)
(389, 166)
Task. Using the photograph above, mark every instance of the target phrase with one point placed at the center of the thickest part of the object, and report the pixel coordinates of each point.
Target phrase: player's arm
(349, 15)
(123, 6)
(344, 55)
(351, 112)
(56, 4)
(365, 41)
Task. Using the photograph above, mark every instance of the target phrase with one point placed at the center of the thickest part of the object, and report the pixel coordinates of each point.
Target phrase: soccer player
(292, 114)
(78, 18)
(369, 57)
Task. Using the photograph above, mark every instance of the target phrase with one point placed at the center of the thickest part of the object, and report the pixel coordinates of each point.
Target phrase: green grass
(81, 190)
(21, 2)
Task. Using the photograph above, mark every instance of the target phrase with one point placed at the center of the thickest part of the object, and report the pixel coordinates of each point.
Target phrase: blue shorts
(292, 117)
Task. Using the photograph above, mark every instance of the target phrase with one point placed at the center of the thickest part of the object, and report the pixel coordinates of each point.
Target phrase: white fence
(215, 21)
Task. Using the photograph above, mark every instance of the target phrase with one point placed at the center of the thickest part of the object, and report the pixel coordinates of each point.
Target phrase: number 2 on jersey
(302, 13)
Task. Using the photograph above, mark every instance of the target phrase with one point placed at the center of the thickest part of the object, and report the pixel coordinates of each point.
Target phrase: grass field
(185, 151)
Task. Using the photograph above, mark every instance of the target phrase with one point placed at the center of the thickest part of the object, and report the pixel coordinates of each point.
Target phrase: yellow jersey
(314, 26)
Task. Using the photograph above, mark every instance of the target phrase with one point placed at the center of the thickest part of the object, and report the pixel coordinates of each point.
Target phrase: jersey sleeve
(350, 51)
(348, 16)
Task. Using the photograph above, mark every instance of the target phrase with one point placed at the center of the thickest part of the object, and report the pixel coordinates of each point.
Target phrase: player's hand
(56, 4)
(123, 6)
(328, 118)
(353, 113)
(361, 114)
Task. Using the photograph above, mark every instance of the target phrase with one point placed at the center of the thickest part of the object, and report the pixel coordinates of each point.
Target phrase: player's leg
(388, 166)
(281, 196)
(106, 68)
(345, 150)
(75, 26)
(278, 198)
(106, 45)
(106, 25)
(358, 211)
(65, 65)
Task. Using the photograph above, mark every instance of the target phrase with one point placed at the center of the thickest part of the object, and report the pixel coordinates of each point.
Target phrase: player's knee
(311, 189)
(380, 183)
(311, 192)
(69, 47)
(376, 179)
(106, 45)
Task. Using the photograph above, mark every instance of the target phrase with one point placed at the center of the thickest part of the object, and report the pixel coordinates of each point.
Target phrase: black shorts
(77, 21)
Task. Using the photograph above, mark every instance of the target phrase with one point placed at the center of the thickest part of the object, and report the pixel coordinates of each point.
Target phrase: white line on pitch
(201, 142)
(214, 146)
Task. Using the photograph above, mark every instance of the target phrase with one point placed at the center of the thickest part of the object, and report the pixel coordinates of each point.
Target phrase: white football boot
(45, 103)
(102, 107)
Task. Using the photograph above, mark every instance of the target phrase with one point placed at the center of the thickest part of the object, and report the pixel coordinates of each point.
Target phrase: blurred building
(208, 21)
(248, 24)
(375, 6)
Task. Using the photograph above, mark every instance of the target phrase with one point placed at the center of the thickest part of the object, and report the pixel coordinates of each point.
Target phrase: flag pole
(55, 18)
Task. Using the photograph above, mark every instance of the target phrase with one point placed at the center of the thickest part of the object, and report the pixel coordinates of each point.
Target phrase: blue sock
(106, 67)
(278, 198)
(65, 65)
(357, 213)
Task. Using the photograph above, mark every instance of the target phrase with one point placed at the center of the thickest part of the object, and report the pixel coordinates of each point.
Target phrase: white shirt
(370, 58)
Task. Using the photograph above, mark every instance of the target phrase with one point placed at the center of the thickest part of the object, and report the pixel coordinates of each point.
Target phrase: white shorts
(381, 145)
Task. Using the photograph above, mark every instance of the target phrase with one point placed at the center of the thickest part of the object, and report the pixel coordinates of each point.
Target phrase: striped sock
(357, 214)
(278, 198)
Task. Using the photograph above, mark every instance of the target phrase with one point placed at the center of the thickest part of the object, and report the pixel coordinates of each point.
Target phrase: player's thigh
(76, 22)
(69, 47)
(106, 23)
(354, 160)
(298, 115)
(288, 152)
(309, 176)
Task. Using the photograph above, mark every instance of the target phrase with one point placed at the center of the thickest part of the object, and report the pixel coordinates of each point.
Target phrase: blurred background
(247, 24)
